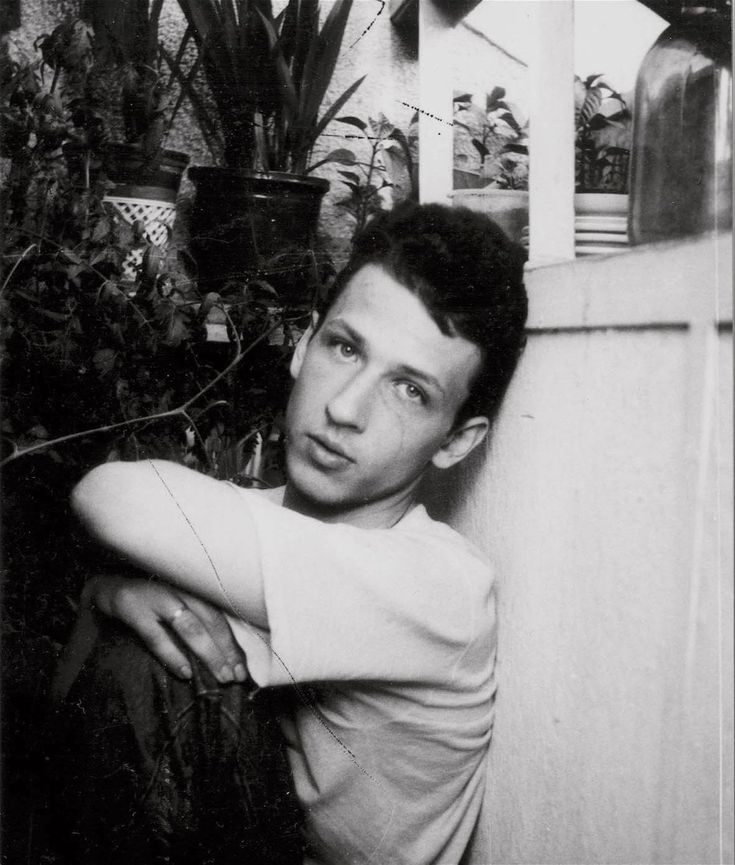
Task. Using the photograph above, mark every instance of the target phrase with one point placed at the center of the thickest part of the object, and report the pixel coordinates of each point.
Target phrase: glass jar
(681, 169)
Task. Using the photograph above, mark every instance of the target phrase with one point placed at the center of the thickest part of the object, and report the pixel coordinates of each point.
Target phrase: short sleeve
(345, 603)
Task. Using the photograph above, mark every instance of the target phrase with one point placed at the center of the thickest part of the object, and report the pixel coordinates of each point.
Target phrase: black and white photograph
(366, 393)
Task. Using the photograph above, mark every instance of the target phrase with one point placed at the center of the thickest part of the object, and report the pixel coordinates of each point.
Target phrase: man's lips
(329, 449)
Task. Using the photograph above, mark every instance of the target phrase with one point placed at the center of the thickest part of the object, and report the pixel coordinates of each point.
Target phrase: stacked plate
(596, 234)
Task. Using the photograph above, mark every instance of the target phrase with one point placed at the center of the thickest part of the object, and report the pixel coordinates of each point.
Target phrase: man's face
(377, 390)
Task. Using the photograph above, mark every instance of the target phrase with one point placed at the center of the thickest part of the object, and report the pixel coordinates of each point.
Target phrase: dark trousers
(147, 769)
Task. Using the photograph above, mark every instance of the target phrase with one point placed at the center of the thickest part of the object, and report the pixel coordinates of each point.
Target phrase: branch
(20, 258)
(179, 411)
(90, 267)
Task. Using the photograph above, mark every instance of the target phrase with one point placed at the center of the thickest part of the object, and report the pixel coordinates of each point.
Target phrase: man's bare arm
(190, 530)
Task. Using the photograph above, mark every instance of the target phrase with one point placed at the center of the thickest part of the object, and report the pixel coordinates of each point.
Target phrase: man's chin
(322, 492)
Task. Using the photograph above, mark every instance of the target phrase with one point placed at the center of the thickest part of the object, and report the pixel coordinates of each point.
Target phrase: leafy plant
(148, 83)
(96, 366)
(146, 89)
(498, 136)
(40, 117)
(391, 165)
(603, 136)
(131, 357)
(268, 77)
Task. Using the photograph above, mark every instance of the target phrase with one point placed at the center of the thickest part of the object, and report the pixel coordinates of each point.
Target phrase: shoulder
(438, 539)
(418, 541)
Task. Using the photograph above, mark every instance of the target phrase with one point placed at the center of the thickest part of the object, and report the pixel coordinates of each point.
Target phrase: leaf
(263, 286)
(592, 102)
(209, 301)
(463, 100)
(336, 106)
(341, 155)
(104, 360)
(177, 330)
(592, 80)
(101, 230)
(69, 255)
(54, 316)
(481, 149)
(319, 69)
(353, 121)
(494, 98)
(350, 175)
(72, 273)
(507, 117)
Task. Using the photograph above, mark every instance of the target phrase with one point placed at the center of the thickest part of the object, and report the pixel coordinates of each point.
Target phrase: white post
(436, 133)
(551, 133)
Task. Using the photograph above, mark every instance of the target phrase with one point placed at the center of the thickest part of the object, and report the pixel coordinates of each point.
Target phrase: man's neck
(371, 515)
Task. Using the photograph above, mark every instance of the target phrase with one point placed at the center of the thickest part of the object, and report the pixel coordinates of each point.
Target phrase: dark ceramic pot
(127, 165)
(246, 225)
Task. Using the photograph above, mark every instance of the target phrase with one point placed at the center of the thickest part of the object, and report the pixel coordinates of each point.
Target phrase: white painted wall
(606, 502)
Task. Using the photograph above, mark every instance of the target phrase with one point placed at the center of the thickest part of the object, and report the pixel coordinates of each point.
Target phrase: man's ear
(460, 442)
(300, 351)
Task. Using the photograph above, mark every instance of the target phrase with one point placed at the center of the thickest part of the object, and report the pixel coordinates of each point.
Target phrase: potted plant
(113, 81)
(390, 171)
(267, 77)
(147, 175)
(602, 142)
(603, 123)
(499, 138)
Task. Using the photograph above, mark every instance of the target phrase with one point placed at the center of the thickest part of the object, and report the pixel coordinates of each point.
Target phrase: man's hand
(156, 612)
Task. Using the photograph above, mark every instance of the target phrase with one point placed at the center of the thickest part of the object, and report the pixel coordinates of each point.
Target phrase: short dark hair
(468, 275)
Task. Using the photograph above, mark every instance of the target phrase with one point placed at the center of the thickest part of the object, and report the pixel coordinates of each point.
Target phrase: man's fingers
(190, 629)
(167, 621)
(219, 629)
(151, 610)
(161, 645)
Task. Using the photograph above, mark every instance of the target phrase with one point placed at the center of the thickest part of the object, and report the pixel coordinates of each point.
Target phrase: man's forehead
(381, 309)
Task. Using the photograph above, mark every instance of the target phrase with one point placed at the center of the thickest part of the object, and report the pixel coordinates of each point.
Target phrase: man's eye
(412, 392)
(343, 349)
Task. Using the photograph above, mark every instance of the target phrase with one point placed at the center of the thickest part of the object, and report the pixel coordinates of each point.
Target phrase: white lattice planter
(155, 208)
(145, 192)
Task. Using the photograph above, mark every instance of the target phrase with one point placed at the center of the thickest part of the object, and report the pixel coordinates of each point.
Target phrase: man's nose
(350, 405)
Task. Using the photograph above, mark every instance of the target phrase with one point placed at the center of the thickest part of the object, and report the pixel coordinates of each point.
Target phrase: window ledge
(671, 284)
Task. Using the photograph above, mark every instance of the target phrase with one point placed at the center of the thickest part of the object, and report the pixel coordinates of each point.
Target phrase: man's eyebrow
(356, 337)
(424, 377)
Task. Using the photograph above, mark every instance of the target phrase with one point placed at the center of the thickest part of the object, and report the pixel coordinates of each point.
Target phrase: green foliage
(100, 89)
(86, 349)
(146, 90)
(268, 77)
(391, 166)
(603, 121)
(499, 137)
(99, 364)
(114, 366)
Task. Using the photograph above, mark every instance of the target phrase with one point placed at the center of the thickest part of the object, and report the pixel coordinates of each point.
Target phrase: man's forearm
(188, 529)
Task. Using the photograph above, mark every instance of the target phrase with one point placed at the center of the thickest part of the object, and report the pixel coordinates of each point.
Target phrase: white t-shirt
(393, 631)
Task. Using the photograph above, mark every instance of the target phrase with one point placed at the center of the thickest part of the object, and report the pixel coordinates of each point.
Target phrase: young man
(378, 620)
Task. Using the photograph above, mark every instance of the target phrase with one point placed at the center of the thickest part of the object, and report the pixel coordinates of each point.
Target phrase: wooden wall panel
(605, 501)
